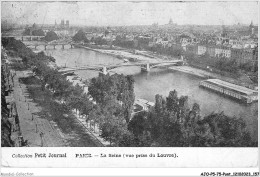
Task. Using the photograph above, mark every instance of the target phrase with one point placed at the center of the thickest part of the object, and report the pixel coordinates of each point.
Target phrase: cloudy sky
(131, 13)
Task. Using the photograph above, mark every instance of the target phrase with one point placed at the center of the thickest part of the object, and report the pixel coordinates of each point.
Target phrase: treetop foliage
(80, 36)
(172, 123)
(51, 36)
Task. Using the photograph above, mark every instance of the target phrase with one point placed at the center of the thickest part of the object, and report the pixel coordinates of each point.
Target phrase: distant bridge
(105, 68)
(27, 37)
(52, 44)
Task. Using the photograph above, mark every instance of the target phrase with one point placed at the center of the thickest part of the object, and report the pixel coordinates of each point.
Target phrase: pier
(235, 91)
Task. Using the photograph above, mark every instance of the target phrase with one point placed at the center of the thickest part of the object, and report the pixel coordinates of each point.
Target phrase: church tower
(251, 30)
(170, 21)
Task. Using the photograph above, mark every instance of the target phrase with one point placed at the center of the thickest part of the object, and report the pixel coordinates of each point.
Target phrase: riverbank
(242, 80)
(193, 71)
(210, 75)
(121, 54)
(140, 56)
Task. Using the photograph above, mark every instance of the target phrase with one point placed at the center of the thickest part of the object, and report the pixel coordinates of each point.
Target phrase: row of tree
(113, 96)
(80, 36)
(36, 32)
(143, 43)
(50, 35)
(6, 129)
(137, 43)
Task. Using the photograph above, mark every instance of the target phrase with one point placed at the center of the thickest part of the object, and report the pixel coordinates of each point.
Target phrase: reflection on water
(160, 81)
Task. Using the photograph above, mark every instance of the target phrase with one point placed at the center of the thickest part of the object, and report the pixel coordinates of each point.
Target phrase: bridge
(105, 68)
(28, 38)
(52, 44)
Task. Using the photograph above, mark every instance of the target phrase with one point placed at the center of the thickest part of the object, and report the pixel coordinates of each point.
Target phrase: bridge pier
(70, 46)
(104, 70)
(54, 46)
(62, 46)
(146, 67)
(45, 47)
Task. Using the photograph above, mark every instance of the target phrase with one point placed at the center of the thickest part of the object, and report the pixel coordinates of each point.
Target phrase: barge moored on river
(235, 91)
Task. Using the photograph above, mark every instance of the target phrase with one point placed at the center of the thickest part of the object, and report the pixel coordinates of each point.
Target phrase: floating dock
(235, 91)
(144, 104)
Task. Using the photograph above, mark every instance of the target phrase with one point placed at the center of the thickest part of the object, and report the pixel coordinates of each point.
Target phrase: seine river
(161, 81)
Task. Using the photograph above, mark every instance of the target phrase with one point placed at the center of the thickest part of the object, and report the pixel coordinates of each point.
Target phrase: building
(211, 50)
(186, 38)
(192, 49)
(226, 52)
(247, 55)
(243, 56)
(222, 51)
(67, 24)
(218, 51)
(62, 25)
(252, 29)
(202, 49)
(55, 26)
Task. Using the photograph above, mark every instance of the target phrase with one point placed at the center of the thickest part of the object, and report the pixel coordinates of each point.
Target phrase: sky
(131, 13)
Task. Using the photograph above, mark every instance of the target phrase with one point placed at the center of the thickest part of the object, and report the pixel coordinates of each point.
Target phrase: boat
(237, 92)
(144, 104)
(69, 74)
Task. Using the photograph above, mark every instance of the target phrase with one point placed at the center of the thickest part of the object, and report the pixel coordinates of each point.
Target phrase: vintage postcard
(164, 84)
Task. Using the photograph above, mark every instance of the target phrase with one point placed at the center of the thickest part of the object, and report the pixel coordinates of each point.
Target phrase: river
(161, 81)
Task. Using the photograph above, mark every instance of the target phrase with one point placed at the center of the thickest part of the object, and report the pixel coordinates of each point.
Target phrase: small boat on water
(69, 74)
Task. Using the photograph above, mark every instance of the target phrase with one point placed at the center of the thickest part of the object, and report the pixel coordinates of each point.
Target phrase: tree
(113, 129)
(100, 41)
(176, 51)
(184, 108)
(159, 104)
(38, 32)
(138, 124)
(51, 36)
(6, 140)
(80, 36)
(227, 131)
(127, 139)
(172, 101)
(118, 88)
(26, 32)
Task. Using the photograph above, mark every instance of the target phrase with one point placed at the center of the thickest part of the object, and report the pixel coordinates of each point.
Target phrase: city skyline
(130, 13)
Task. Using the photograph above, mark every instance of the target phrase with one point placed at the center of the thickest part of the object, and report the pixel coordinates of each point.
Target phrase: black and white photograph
(129, 74)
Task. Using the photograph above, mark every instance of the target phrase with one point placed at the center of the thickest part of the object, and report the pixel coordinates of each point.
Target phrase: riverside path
(39, 125)
(36, 130)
